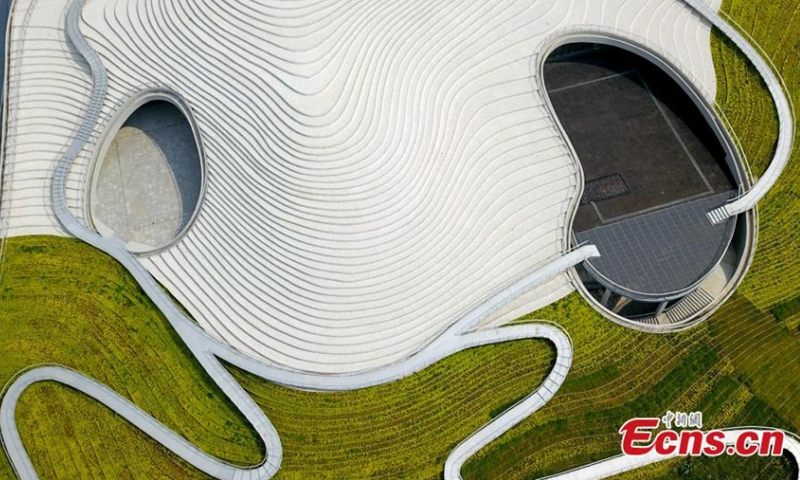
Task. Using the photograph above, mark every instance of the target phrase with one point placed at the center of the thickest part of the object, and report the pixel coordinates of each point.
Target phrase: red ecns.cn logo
(639, 438)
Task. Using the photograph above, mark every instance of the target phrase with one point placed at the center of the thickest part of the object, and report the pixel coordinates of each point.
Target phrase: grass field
(63, 302)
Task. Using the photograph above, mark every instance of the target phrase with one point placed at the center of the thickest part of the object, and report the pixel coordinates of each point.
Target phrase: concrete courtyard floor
(150, 179)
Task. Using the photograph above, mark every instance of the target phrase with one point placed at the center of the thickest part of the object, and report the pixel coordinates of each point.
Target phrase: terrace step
(650, 320)
(689, 306)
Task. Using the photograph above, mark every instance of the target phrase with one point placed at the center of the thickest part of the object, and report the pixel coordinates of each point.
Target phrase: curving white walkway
(784, 110)
(127, 410)
(204, 347)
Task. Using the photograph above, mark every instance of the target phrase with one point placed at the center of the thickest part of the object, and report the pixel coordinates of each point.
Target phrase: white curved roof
(375, 169)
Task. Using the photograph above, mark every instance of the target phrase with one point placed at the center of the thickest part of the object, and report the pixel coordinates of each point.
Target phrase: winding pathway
(783, 107)
(207, 349)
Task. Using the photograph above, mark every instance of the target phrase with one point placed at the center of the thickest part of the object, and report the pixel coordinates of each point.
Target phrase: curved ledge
(456, 338)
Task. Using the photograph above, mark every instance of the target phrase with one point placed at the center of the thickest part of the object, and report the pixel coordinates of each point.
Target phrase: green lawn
(65, 303)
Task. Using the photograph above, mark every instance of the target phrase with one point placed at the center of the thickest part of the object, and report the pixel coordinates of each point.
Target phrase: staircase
(718, 215)
(683, 310)
(686, 308)
(650, 320)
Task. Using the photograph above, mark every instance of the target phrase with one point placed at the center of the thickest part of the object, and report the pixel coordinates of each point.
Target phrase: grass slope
(63, 302)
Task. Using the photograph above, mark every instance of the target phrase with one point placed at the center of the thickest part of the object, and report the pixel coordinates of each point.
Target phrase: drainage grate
(604, 188)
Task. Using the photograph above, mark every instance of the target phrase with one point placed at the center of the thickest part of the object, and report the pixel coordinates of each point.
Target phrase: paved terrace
(661, 254)
(150, 182)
